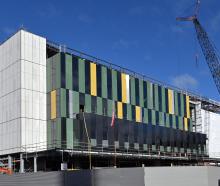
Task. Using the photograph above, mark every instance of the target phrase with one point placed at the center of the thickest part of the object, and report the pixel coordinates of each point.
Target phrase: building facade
(61, 105)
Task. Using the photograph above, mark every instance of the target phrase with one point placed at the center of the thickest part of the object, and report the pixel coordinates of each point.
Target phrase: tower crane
(207, 47)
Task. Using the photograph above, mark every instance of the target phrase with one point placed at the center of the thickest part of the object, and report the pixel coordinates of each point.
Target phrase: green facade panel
(63, 102)
(176, 104)
(87, 103)
(163, 99)
(129, 114)
(49, 74)
(141, 93)
(75, 102)
(110, 107)
(68, 70)
(114, 85)
(180, 123)
(153, 113)
(133, 96)
(104, 82)
(81, 67)
(145, 119)
(69, 133)
(156, 98)
(99, 106)
(58, 132)
(57, 70)
(149, 95)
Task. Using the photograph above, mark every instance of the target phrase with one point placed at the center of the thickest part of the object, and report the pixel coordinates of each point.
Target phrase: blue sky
(141, 35)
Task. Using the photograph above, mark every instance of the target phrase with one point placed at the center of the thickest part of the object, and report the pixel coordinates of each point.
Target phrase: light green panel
(49, 135)
(68, 70)
(190, 125)
(81, 67)
(141, 93)
(145, 120)
(129, 114)
(163, 99)
(161, 118)
(114, 85)
(87, 103)
(174, 121)
(49, 74)
(99, 106)
(156, 98)
(176, 103)
(69, 133)
(133, 96)
(110, 102)
(63, 102)
(182, 105)
(75, 102)
(104, 82)
(167, 121)
(149, 95)
(58, 132)
(153, 117)
(180, 123)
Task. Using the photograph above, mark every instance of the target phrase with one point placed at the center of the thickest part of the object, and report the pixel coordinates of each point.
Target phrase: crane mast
(209, 53)
(207, 47)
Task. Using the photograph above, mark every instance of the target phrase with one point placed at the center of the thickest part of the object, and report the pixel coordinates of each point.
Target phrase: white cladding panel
(22, 93)
(213, 120)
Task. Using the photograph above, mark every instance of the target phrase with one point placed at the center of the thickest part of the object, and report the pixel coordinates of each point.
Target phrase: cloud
(50, 11)
(124, 44)
(85, 18)
(185, 81)
(137, 11)
(8, 31)
(215, 22)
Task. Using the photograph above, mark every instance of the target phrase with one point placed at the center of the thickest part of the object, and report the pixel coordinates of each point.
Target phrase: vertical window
(99, 80)
(137, 91)
(75, 71)
(87, 76)
(160, 98)
(119, 90)
(145, 94)
(63, 71)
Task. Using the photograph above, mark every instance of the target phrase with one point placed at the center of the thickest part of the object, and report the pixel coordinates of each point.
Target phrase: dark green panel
(167, 120)
(133, 96)
(57, 67)
(182, 105)
(114, 86)
(68, 61)
(104, 82)
(149, 95)
(63, 102)
(141, 92)
(163, 99)
(176, 103)
(156, 98)
(49, 74)
(81, 75)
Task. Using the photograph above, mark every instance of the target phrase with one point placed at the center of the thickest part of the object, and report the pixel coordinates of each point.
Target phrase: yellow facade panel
(124, 89)
(120, 110)
(187, 107)
(53, 100)
(185, 124)
(170, 101)
(93, 80)
(138, 114)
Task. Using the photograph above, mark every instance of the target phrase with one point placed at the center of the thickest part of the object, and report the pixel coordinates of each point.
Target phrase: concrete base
(149, 176)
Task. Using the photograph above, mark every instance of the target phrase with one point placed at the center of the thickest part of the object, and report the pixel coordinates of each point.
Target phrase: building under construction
(61, 108)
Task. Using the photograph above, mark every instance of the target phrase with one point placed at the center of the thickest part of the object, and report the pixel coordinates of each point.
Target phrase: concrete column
(35, 163)
(9, 162)
(21, 163)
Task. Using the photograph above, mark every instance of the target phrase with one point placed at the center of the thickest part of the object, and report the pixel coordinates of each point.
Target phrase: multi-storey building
(64, 106)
